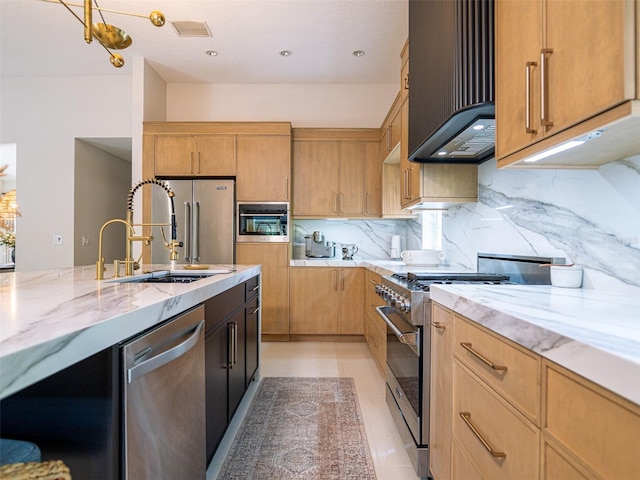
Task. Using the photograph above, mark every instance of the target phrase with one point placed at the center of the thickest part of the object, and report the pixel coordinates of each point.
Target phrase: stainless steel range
(407, 314)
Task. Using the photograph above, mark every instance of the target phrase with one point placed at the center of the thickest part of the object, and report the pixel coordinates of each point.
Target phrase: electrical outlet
(57, 240)
(85, 241)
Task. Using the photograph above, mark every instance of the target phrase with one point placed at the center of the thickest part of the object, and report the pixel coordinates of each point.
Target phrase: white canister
(424, 258)
(566, 277)
(397, 243)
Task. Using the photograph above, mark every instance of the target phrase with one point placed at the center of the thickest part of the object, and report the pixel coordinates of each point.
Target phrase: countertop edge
(581, 357)
(26, 366)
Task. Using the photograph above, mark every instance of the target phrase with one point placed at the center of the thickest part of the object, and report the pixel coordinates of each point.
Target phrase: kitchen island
(53, 319)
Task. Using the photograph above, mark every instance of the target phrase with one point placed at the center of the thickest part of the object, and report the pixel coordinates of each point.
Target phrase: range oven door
(404, 368)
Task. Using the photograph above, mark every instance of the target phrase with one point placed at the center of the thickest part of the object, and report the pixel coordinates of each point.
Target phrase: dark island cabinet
(231, 355)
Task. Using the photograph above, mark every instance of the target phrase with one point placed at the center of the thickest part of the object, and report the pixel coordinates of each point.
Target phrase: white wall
(101, 185)
(339, 106)
(43, 116)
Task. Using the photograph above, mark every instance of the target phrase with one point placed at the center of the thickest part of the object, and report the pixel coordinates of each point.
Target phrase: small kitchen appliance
(348, 251)
(317, 247)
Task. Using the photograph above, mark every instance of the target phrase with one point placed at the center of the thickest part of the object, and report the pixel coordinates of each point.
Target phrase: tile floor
(325, 359)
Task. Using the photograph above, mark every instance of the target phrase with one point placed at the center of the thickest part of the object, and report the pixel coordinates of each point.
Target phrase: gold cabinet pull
(466, 417)
(468, 347)
(438, 325)
(527, 103)
(543, 87)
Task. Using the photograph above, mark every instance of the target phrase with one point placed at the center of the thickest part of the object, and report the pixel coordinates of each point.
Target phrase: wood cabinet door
(592, 67)
(352, 301)
(518, 43)
(274, 259)
(353, 164)
(440, 404)
(315, 298)
(264, 168)
(409, 171)
(174, 154)
(373, 181)
(315, 178)
(216, 155)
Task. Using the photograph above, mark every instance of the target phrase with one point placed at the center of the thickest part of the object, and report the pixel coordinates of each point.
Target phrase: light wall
(338, 106)
(43, 116)
(101, 185)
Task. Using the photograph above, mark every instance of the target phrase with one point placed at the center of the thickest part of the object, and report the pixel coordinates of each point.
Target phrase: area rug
(301, 428)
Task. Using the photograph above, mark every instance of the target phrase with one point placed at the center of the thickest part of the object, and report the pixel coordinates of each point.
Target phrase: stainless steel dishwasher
(164, 401)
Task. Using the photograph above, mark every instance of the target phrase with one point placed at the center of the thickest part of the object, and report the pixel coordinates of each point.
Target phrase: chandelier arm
(119, 12)
(97, 7)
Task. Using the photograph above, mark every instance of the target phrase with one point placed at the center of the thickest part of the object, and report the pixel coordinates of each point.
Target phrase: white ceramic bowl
(566, 277)
(426, 258)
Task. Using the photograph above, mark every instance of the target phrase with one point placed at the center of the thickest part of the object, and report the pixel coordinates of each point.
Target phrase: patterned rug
(301, 428)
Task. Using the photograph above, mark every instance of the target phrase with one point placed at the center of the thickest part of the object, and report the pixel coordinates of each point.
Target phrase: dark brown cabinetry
(231, 355)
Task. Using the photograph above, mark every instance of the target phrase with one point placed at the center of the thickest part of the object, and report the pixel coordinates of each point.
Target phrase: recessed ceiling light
(285, 53)
(358, 53)
(212, 53)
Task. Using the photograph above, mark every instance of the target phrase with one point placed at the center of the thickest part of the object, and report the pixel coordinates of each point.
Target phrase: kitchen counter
(592, 333)
(52, 319)
(382, 267)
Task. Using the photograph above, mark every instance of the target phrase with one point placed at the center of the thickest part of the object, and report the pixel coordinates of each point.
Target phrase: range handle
(405, 332)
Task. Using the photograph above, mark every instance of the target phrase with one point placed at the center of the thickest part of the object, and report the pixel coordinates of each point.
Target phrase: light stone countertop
(382, 267)
(52, 319)
(595, 334)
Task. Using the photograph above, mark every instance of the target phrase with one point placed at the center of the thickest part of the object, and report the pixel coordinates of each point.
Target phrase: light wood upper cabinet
(336, 173)
(206, 155)
(274, 258)
(564, 69)
(316, 167)
(327, 301)
(263, 168)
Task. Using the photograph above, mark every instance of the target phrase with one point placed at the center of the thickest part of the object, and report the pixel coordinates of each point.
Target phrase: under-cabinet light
(564, 146)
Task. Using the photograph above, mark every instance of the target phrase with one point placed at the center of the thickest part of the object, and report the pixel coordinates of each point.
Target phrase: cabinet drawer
(461, 466)
(600, 429)
(221, 306)
(252, 286)
(555, 466)
(515, 372)
(514, 440)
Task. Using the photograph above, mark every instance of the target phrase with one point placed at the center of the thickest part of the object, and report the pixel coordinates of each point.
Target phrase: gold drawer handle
(466, 417)
(438, 325)
(467, 346)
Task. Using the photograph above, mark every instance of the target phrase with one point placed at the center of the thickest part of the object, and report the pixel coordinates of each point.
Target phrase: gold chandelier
(109, 36)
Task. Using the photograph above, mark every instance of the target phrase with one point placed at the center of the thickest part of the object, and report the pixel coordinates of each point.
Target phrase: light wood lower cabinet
(440, 404)
(375, 328)
(516, 415)
(274, 258)
(327, 301)
(587, 430)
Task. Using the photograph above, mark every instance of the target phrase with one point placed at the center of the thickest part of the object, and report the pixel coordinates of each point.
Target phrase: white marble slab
(595, 334)
(52, 319)
(382, 267)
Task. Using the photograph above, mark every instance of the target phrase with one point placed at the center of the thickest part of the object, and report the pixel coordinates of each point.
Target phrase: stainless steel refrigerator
(205, 212)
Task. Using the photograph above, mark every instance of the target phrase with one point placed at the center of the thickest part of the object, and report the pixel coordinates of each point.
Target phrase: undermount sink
(167, 276)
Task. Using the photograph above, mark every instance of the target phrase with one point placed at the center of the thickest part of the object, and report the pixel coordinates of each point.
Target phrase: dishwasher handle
(165, 357)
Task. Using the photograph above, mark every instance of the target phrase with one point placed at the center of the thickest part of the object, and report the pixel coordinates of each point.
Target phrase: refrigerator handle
(196, 231)
(187, 231)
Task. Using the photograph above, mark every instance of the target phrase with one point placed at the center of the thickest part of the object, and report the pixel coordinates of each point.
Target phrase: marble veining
(589, 217)
(50, 320)
(596, 334)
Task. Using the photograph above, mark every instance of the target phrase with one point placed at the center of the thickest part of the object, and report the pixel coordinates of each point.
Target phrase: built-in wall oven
(262, 222)
(407, 314)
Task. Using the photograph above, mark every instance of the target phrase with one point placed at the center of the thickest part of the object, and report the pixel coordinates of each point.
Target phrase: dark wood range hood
(451, 85)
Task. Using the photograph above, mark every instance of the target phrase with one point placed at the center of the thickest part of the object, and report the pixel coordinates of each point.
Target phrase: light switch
(57, 240)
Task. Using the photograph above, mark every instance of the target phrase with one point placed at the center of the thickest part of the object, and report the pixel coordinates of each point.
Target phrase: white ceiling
(39, 38)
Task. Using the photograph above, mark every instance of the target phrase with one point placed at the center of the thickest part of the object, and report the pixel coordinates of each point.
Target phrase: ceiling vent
(192, 29)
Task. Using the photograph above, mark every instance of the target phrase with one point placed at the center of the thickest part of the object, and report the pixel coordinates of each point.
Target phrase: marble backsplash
(590, 217)
(372, 237)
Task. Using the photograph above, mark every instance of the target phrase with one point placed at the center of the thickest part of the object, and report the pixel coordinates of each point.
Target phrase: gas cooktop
(422, 281)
